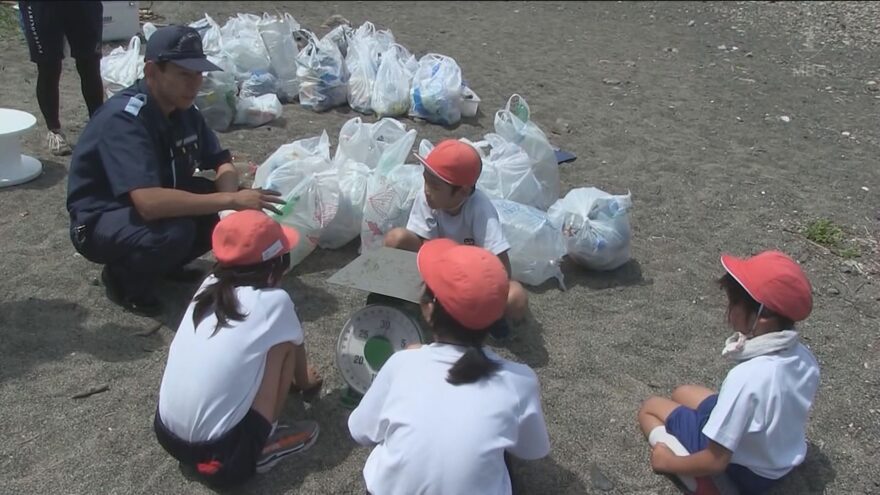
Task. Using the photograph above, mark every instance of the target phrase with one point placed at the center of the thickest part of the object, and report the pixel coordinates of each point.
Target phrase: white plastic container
(121, 20)
(470, 103)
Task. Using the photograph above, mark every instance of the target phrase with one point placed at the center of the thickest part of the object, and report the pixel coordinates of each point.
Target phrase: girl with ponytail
(442, 417)
(238, 351)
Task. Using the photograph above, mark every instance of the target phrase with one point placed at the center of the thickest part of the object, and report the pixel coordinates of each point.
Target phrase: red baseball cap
(774, 280)
(250, 237)
(470, 282)
(455, 162)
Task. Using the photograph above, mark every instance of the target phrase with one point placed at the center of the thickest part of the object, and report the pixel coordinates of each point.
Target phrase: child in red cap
(452, 207)
(443, 416)
(234, 357)
(754, 429)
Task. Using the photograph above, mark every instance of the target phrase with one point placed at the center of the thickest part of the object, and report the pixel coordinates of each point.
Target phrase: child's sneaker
(287, 440)
(57, 143)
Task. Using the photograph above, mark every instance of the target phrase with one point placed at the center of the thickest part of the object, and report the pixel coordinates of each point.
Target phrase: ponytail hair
(220, 297)
(474, 364)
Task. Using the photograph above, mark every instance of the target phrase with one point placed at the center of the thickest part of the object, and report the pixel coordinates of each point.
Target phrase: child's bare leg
(402, 238)
(276, 381)
(517, 302)
(654, 412)
(691, 395)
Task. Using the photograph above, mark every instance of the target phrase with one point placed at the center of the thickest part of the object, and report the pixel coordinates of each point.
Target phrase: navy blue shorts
(687, 424)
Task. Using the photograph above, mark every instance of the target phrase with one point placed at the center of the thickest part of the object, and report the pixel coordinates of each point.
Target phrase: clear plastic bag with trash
(322, 76)
(362, 62)
(241, 41)
(209, 30)
(277, 34)
(340, 36)
(258, 84)
(508, 172)
(385, 143)
(122, 67)
(389, 200)
(346, 225)
(391, 88)
(436, 93)
(536, 245)
(295, 160)
(514, 124)
(217, 98)
(595, 226)
(254, 111)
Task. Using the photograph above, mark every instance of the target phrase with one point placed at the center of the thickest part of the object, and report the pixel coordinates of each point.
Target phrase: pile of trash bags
(269, 60)
(366, 188)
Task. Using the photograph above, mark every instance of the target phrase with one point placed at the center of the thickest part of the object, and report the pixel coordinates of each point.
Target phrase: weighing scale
(390, 321)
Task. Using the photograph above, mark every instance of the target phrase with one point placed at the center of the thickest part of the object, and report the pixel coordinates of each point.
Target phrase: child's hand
(309, 390)
(661, 457)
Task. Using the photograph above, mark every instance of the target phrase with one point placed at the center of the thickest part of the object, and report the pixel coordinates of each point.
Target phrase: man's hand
(256, 199)
(660, 458)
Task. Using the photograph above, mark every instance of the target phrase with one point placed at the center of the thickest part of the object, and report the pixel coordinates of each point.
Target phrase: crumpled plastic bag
(390, 96)
(217, 99)
(385, 143)
(310, 155)
(536, 245)
(258, 84)
(346, 225)
(122, 67)
(436, 93)
(277, 35)
(212, 38)
(362, 63)
(241, 41)
(508, 172)
(255, 111)
(390, 196)
(322, 74)
(513, 124)
(595, 226)
(340, 36)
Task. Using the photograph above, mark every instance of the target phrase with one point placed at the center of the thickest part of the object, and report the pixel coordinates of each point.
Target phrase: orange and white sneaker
(285, 441)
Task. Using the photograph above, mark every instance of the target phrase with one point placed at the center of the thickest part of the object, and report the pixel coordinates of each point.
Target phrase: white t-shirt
(210, 381)
(477, 223)
(762, 411)
(432, 437)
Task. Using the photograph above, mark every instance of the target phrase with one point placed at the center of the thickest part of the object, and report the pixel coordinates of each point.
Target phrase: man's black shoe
(146, 305)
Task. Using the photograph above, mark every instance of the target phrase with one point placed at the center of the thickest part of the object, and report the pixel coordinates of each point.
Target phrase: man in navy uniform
(135, 206)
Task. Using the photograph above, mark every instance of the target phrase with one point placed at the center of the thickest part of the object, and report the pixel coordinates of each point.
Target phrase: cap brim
(196, 64)
(428, 257)
(291, 238)
(737, 269)
(429, 169)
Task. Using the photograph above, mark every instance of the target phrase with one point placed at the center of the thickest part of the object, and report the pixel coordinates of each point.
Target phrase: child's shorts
(687, 424)
(226, 461)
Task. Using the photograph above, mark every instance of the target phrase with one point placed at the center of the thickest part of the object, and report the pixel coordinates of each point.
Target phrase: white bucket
(470, 103)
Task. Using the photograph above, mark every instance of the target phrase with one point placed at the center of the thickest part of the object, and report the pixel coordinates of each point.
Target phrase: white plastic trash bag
(122, 67)
(322, 75)
(595, 226)
(346, 225)
(292, 162)
(277, 35)
(436, 90)
(209, 30)
(340, 36)
(242, 42)
(362, 63)
(386, 143)
(536, 244)
(309, 207)
(390, 96)
(255, 111)
(513, 124)
(508, 172)
(390, 196)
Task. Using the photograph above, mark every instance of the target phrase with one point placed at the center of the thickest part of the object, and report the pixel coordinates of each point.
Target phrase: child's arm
(710, 461)
(505, 260)
(303, 377)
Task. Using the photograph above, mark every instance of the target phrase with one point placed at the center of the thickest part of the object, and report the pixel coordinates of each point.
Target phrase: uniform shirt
(432, 437)
(210, 382)
(130, 144)
(476, 224)
(762, 411)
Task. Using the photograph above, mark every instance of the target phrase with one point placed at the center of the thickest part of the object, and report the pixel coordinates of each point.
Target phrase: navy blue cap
(180, 45)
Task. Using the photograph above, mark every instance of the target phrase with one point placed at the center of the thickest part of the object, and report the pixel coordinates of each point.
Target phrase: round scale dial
(368, 339)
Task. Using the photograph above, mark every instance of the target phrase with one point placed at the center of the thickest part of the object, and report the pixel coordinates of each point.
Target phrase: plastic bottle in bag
(436, 90)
